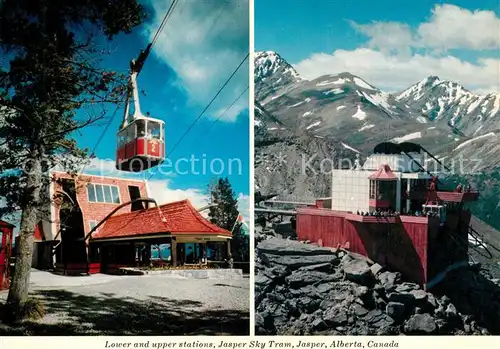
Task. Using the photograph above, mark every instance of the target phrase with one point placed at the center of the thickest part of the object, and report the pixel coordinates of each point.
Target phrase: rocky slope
(302, 289)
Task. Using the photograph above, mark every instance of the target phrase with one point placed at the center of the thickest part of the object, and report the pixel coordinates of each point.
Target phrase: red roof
(384, 173)
(176, 218)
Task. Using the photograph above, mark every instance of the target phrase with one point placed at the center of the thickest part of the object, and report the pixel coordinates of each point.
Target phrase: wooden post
(173, 251)
(228, 248)
(204, 253)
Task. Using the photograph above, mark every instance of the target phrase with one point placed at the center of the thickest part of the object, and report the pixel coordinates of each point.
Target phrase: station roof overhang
(176, 219)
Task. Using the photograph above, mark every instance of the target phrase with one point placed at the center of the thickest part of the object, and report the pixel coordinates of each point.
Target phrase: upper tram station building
(393, 211)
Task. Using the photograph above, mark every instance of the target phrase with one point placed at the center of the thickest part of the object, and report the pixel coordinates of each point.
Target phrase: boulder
(318, 325)
(378, 319)
(388, 280)
(298, 261)
(282, 247)
(421, 324)
(396, 310)
(323, 267)
(335, 317)
(302, 278)
(403, 297)
(358, 310)
(358, 271)
(376, 269)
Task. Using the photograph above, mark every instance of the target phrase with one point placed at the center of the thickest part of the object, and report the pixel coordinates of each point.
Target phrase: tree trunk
(18, 292)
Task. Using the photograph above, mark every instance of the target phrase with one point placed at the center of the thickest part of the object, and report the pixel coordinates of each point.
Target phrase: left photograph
(124, 167)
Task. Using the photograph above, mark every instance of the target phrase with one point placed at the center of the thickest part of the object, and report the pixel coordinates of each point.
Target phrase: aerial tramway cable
(202, 113)
(223, 113)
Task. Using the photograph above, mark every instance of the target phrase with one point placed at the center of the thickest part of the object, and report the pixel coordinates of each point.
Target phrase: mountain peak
(268, 63)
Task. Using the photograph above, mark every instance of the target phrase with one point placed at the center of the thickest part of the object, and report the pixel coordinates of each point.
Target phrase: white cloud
(452, 27)
(449, 27)
(398, 56)
(244, 206)
(160, 191)
(398, 41)
(203, 42)
(395, 72)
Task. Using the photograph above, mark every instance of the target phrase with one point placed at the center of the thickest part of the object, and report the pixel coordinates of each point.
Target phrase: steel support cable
(201, 114)
(222, 114)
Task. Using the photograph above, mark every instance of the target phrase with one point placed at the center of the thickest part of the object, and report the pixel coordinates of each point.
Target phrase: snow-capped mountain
(272, 73)
(448, 102)
(343, 107)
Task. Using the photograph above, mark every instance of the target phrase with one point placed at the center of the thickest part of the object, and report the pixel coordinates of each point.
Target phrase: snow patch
(275, 97)
(379, 100)
(414, 135)
(350, 148)
(297, 104)
(313, 125)
(366, 127)
(476, 241)
(340, 81)
(335, 91)
(340, 107)
(325, 83)
(360, 115)
(362, 83)
(473, 106)
(307, 113)
(475, 139)
(496, 106)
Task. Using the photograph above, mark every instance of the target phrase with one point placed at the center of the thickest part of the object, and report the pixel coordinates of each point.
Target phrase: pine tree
(225, 210)
(225, 213)
(240, 245)
(53, 71)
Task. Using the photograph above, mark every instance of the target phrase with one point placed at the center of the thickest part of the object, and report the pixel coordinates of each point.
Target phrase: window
(141, 128)
(103, 193)
(130, 134)
(373, 189)
(154, 130)
(91, 193)
(122, 138)
(114, 195)
(99, 193)
(107, 193)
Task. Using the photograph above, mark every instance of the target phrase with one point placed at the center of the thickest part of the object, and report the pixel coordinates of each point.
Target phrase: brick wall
(97, 211)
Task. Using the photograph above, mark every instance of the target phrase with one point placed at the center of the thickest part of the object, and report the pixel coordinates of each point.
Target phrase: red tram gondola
(141, 139)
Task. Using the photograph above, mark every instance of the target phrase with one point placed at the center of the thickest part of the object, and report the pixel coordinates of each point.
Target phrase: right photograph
(377, 167)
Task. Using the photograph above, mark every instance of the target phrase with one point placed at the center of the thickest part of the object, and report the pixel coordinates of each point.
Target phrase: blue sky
(199, 48)
(390, 43)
